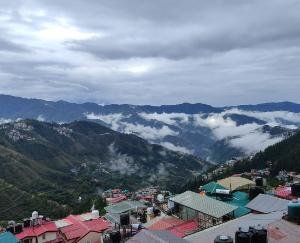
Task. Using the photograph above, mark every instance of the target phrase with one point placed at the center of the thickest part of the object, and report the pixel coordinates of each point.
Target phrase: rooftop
(155, 236)
(211, 187)
(79, 226)
(204, 204)
(174, 225)
(8, 237)
(264, 203)
(234, 183)
(37, 230)
(230, 227)
(124, 206)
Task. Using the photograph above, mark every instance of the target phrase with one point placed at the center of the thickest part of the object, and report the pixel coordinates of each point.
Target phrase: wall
(48, 236)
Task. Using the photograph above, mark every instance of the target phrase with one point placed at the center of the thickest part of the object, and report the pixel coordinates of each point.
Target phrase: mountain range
(215, 134)
(49, 165)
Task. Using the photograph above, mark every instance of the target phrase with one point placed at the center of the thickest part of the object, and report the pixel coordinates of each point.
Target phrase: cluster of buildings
(234, 209)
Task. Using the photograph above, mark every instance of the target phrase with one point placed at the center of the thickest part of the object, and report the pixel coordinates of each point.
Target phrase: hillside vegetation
(47, 165)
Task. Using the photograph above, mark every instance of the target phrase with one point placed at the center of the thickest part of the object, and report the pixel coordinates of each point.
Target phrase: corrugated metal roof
(203, 204)
(211, 187)
(229, 228)
(264, 203)
(124, 206)
(235, 182)
(156, 236)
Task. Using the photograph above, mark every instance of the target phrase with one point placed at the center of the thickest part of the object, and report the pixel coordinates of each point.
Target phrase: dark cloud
(139, 51)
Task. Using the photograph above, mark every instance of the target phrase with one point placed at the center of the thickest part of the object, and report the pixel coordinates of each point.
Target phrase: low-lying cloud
(249, 137)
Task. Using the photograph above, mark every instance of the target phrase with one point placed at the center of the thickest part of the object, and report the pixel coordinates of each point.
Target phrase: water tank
(223, 191)
(243, 236)
(18, 228)
(294, 210)
(259, 234)
(160, 197)
(11, 229)
(170, 204)
(259, 181)
(255, 191)
(124, 219)
(223, 239)
(295, 189)
(95, 214)
(26, 223)
(115, 236)
(150, 210)
(35, 215)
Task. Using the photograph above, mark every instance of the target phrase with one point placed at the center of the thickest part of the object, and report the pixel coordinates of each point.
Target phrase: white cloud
(273, 118)
(121, 162)
(147, 132)
(111, 119)
(247, 137)
(173, 147)
(168, 118)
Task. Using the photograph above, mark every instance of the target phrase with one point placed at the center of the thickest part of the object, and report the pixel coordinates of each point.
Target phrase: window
(44, 236)
(88, 241)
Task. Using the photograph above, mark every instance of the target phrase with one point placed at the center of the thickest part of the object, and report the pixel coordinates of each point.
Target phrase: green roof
(212, 186)
(203, 204)
(124, 206)
(8, 237)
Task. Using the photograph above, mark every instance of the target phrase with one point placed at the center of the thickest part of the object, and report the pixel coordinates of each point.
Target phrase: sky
(151, 52)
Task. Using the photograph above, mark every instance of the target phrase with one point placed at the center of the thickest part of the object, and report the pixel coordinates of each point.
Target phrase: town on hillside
(241, 208)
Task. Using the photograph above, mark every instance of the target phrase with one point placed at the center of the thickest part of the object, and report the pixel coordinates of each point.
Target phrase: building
(115, 211)
(229, 228)
(7, 237)
(264, 203)
(234, 183)
(155, 236)
(82, 228)
(205, 210)
(46, 231)
(175, 226)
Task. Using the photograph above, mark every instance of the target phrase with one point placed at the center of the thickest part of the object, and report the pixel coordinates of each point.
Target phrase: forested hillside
(50, 165)
(284, 155)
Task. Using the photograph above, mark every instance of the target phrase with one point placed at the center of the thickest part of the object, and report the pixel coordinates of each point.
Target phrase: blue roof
(8, 237)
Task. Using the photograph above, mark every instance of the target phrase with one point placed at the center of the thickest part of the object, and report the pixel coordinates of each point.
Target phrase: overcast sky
(151, 52)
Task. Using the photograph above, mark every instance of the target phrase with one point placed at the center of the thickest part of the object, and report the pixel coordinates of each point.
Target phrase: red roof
(284, 192)
(185, 228)
(176, 226)
(37, 230)
(79, 227)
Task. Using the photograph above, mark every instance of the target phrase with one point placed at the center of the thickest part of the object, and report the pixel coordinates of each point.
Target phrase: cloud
(121, 162)
(273, 118)
(148, 132)
(167, 118)
(145, 52)
(173, 147)
(248, 137)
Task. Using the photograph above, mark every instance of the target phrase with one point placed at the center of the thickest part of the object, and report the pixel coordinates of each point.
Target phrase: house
(45, 231)
(115, 211)
(278, 229)
(7, 237)
(178, 227)
(234, 183)
(264, 203)
(205, 210)
(82, 228)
